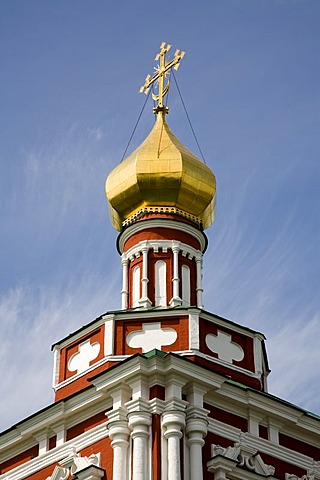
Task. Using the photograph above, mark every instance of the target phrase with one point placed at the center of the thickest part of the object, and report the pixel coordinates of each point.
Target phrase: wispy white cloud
(34, 317)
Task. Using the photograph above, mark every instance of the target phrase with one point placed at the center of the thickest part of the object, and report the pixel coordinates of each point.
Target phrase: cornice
(231, 325)
(52, 456)
(239, 398)
(161, 223)
(223, 363)
(22, 435)
(136, 250)
(261, 444)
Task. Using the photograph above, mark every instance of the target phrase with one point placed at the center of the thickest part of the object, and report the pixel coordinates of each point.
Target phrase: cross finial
(161, 72)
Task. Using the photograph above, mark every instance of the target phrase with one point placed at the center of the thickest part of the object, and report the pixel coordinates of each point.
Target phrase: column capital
(145, 247)
(124, 259)
(175, 246)
(138, 405)
(116, 415)
(174, 418)
(196, 425)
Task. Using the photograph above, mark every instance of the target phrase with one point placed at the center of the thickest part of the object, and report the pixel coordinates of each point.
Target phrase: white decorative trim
(221, 362)
(224, 347)
(194, 331)
(257, 355)
(312, 474)
(59, 473)
(73, 464)
(56, 365)
(86, 353)
(151, 336)
(164, 244)
(157, 223)
(260, 444)
(108, 335)
(244, 456)
(199, 288)
(82, 332)
(176, 300)
(231, 325)
(55, 455)
(69, 380)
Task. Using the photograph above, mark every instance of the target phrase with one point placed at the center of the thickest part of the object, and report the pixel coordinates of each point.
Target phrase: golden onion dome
(161, 175)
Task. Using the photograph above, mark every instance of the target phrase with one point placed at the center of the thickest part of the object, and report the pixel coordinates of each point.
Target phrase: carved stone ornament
(312, 474)
(245, 456)
(73, 464)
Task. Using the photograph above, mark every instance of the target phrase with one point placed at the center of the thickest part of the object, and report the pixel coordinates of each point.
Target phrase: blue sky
(71, 71)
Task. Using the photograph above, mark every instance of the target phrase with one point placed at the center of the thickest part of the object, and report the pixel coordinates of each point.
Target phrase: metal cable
(135, 127)
(188, 116)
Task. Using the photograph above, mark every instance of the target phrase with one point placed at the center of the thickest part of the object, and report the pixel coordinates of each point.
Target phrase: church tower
(161, 389)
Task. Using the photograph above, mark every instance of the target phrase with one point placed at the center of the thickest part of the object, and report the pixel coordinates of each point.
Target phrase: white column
(176, 300)
(124, 291)
(173, 423)
(119, 435)
(144, 301)
(140, 421)
(199, 281)
(196, 429)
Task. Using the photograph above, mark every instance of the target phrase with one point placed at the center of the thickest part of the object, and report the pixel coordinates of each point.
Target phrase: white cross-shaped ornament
(80, 361)
(151, 336)
(222, 345)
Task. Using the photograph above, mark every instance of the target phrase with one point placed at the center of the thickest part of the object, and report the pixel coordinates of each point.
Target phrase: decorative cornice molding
(25, 434)
(56, 454)
(136, 250)
(260, 444)
(244, 456)
(161, 223)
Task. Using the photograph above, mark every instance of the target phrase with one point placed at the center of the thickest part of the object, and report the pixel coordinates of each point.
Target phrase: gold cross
(161, 72)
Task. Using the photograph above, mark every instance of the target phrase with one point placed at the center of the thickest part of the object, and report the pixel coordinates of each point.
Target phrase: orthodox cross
(161, 72)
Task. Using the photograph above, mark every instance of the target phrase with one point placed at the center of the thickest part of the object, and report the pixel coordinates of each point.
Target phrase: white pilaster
(124, 291)
(43, 440)
(140, 421)
(144, 300)
(273, 432)
(56, 366)
(60, 430)
(175, 300)
(253, 424)
(199, 281)
(194, 330)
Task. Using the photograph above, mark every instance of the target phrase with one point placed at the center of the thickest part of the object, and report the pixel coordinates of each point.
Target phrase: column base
(175, 302)
(145, 302)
